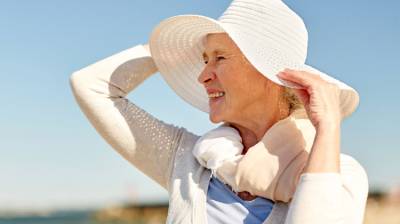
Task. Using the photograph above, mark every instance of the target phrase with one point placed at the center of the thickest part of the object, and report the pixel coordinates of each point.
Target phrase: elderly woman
(276, 156)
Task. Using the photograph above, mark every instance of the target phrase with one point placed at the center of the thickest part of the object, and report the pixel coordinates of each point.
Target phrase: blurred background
(55, 168)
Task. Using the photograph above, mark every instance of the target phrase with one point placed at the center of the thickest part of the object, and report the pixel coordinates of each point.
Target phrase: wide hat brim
(176, 46)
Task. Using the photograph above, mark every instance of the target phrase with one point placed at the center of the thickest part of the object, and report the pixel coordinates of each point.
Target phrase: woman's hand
(320, 98)
(321, 101)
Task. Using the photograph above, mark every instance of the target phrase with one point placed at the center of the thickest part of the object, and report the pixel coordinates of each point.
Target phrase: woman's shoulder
(190, 138)
(185, 144)
(354, 177)
(350, 166)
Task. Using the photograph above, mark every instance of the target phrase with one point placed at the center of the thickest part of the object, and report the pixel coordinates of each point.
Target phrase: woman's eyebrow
(215, 52)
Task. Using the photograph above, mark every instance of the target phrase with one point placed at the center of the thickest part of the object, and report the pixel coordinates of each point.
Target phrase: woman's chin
(214, 117)
(216, 109)
(215, 121)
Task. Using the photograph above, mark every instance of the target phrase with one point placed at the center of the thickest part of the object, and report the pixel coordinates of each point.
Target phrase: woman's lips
(215, 95)
(216, 99)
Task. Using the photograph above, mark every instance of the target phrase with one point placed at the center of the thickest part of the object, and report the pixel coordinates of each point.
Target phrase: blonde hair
(291, 98)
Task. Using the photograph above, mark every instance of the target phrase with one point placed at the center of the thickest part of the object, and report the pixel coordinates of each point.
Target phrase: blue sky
(50, 156)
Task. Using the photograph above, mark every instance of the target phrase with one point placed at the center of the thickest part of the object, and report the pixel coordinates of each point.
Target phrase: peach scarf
(271, 168)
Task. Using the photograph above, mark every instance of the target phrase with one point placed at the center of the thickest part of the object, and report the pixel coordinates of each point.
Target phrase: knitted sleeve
(331, 198)
(101, 89)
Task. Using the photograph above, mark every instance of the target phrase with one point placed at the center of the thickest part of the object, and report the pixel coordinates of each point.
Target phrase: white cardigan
(164, 152)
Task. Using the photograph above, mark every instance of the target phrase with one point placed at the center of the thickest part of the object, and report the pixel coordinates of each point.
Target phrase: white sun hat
(270, 35)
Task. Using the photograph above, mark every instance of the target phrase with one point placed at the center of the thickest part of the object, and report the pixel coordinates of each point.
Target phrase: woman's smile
(215, 98)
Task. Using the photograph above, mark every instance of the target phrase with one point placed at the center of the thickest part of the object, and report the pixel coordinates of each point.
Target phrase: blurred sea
(61, 218)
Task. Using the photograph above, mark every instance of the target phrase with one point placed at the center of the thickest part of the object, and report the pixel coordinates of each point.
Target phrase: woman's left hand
(320, 98)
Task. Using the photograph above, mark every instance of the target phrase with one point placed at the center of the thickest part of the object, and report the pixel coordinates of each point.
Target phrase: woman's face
(236, 90)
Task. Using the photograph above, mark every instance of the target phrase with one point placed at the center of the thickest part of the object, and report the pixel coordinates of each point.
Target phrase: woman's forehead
(217, 43)
(212, 38)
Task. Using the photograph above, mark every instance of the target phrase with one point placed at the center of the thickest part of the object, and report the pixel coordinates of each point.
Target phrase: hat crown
(267, 25)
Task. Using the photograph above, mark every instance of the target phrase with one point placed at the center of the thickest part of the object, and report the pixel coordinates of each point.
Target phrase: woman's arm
(331, 198)
(333, 189)
(101, 89)
(321, 101)
(324, 154)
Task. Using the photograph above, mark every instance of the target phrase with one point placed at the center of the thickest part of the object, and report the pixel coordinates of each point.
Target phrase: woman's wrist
(329, 126)
(324, 155)
(329, 133)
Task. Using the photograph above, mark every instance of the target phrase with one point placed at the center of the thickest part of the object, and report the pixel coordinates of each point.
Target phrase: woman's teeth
(215, 95)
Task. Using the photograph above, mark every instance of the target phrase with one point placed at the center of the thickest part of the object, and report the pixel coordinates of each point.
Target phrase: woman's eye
(217, 59)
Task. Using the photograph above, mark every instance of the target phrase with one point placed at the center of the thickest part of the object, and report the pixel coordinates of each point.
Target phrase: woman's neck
(253, 130)
(249, 137)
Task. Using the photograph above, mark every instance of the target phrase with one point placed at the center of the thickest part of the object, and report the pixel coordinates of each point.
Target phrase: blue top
(224, 206)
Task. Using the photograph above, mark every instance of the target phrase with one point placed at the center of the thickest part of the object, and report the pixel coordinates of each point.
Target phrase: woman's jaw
(217, 102)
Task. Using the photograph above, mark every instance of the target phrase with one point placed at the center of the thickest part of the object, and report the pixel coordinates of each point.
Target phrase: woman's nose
(206, 75)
